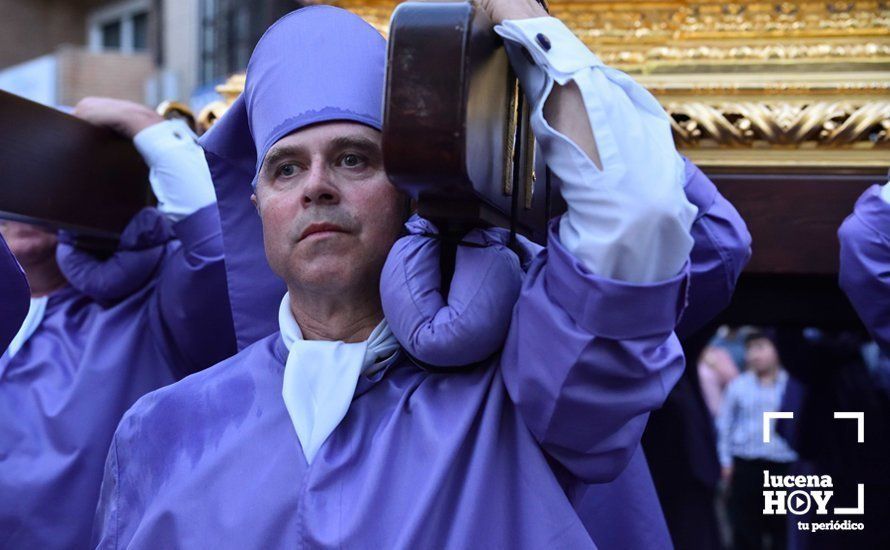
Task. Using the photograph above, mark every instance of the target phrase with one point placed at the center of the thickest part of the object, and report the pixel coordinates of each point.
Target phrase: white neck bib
(36, 311)
(320, 377)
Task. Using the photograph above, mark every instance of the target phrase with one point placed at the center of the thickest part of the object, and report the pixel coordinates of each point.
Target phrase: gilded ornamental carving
(749, 82)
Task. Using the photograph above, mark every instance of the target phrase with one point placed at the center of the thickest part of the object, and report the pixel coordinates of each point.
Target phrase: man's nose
(319, 188)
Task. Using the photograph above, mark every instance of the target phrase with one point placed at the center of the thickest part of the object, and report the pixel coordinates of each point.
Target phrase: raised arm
(189, 313)
(591, 348)
(865, 262)
(193, 319)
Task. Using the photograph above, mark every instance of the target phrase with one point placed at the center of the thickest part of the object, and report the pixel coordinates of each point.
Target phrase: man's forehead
(319, 136)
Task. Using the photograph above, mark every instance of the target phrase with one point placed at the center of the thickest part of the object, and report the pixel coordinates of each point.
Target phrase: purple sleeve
(14, 296)
(191, 313)
(722, 249)
(587, 359)
(865, 263)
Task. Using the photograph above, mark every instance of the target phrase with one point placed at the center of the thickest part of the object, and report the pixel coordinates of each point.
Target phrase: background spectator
(743, 454)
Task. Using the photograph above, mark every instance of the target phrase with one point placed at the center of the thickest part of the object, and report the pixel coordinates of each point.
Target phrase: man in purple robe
(100, 334)
(865, 256)
(326, 432)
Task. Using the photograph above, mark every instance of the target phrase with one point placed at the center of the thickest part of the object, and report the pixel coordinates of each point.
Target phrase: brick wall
(82, 73)
(31, 28)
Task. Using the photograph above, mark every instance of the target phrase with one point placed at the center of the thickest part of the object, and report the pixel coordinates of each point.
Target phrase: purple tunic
(63, 393)
(14, 294)
(493, 457)
(864, 263)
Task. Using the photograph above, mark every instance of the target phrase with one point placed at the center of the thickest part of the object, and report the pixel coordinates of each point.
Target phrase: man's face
(761, 355)
(31, 244)
(330, 215)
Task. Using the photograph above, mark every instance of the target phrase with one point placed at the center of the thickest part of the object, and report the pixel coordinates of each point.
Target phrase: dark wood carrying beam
(793, 217)
(455, 135)
(59, 171)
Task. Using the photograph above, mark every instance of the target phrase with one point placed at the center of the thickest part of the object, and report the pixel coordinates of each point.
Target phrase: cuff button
(544, 41)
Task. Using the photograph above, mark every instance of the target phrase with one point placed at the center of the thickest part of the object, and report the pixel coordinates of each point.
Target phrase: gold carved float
(747, 83)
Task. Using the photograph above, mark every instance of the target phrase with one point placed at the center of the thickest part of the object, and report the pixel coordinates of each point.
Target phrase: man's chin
(324, 273)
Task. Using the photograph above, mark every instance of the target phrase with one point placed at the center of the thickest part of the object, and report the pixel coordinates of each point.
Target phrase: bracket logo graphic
(798, 494)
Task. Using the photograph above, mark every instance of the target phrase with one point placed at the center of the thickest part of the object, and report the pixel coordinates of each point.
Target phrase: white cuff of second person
(178, 171)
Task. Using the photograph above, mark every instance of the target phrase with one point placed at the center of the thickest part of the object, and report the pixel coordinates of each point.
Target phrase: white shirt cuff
(551, 44)
(178, 171)
(629, 220)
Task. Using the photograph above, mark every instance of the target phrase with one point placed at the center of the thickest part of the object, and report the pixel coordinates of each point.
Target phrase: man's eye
(287, 170)
(351, 160)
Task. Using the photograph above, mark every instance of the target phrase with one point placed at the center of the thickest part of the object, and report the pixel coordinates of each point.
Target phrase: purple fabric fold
(722, 249)
(472, 323)
(133, 265)
(865, 263)
(609, 308)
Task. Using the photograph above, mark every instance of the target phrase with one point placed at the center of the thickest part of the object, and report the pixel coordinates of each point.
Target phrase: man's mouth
(321, 229)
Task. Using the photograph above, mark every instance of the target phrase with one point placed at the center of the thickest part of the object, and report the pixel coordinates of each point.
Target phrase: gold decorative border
(679, 19)
(730, 74)
(818, 124)
(865, 52)
(824, 85)
(692, 19)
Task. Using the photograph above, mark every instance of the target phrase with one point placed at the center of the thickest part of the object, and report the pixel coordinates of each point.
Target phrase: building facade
(58, 51)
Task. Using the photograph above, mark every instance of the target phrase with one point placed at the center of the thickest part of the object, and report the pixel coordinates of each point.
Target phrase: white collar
(36, 312)
(320, 376)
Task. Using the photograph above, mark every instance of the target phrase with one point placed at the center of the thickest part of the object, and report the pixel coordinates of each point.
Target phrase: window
(122, 27)
(229, 31)
(226, 38)
(111, 35)
(140, 31)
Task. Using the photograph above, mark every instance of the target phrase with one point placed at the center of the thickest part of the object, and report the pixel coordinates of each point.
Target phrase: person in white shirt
(744, 455)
